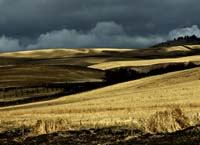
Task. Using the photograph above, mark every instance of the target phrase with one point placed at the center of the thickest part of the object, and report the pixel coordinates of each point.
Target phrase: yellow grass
(59, 52)
(176, 48)
(121, 104)
(46, 53)
(68, 52)
(193, 46)
(118, 104)
(114, 64)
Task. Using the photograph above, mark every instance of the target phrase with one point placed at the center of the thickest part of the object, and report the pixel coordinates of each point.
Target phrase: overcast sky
(36, 24)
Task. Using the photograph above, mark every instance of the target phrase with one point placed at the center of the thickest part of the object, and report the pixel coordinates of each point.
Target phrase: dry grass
(195, 47)
(120, 104)
(59, 56)
(176, 48)
(131, 103)
(89, 57)
(50, 126)
(35, 75)
(114, 64)
(59, 52)
(46, 53)
(167, 121)
(67, 52)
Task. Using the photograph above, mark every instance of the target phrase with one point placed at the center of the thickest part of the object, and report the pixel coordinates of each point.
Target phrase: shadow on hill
(46, 92)
(40, 92)
(173, 54)
(124, 74)
(155, 52)
(21, 84)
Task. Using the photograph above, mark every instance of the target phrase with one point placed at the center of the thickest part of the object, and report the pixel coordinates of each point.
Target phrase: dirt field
(109, 136)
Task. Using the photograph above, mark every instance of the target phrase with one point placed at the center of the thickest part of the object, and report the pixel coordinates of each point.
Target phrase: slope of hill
(81, 57)
(28, 83)
(45, 73)
(115, 64)
(117, 104)
(31, 75)
(60, 52)
(87, 57)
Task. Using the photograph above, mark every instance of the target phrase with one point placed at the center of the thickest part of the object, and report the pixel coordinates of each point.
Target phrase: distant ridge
(186, 40)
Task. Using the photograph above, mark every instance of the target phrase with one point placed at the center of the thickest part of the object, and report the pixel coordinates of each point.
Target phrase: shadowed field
(29, 83)
(30, 75)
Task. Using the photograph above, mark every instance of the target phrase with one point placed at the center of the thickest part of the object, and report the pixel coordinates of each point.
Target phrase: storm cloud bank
(9, 44)
(104, 34)
(35, 24)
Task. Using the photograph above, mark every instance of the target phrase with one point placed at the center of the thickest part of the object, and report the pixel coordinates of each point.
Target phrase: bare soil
(105, 136)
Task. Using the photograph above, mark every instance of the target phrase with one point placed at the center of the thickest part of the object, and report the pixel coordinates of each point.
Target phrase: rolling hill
(28, 83)
(88, 57)
(51, 73)
(116, 64)
(118, 103)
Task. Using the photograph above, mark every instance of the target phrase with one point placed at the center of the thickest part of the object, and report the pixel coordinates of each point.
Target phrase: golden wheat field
(118, 104)
(115, 64)
(130, 103)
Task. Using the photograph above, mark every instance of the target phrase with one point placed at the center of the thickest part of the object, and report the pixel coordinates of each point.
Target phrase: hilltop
(187, 40)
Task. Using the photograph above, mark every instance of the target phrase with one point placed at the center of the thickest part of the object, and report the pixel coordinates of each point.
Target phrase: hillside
(31, 75)
(118, 103)
(115, 64)
(28, 83)
(64, 91)
(88, 57)
(60, 52)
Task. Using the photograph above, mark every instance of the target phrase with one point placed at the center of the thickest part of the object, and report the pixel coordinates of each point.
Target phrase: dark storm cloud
(104, 34)
(28, 21)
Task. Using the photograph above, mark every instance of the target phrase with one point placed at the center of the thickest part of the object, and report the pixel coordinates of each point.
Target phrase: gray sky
(35, 24)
